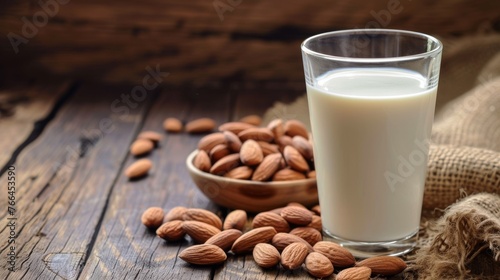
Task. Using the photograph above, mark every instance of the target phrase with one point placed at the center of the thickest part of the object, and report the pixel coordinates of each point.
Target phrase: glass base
(371, 249)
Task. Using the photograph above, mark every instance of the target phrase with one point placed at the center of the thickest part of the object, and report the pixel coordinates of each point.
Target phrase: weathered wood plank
(23, 109)
(124, 247)
(63, 182)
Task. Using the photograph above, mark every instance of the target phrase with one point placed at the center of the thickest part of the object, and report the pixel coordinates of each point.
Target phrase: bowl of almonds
(256, 168)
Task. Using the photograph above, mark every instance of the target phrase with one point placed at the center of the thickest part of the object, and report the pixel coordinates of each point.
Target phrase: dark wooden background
(113, 41)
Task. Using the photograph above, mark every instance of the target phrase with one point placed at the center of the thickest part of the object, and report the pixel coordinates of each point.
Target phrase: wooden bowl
(250, 195)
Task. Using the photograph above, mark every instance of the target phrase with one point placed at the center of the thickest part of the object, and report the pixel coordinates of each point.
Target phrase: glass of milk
(371, 96)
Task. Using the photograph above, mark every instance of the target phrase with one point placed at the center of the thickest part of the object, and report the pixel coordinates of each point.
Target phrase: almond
(175, 214)
(224, 239)
(247, 241)
(233, 141)
(293, 255)
(257, 134)
(211, 140)
(171, 231)
(203, 254)
(235, 127)
(284, 141)
(297, 215)
(296, 204)
(202, 161)
(276, 210)
(316, 223)
(338, 255)
(295, 127)
(288, 174)
(241, 172)
(225, 164)
(282, 239)
(138, 168)
(311, 174)
(354, 273)
(268, 148)
(172, 125)
(152, 217)
(295, 160)
(303, 146)
(384, 265)
(318, 265)
(266, 169)
(235, 219)
(252, 119)
(316, 209)
(277, 127)
(219, 152)
(152, 136)
(309, 234)
(270, 219)
(141, 147)
(251, 153)
(201, 125)
(199, 231)
(202, 215)
(266, 255)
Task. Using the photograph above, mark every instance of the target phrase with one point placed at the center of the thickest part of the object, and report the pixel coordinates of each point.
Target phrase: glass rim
(370, 31)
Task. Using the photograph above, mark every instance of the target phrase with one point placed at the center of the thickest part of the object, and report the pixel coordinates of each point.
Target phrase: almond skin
(354, 273)
(268, 148)
(224, 239)
(283, 239)
(202, 161)
(199, 231)
(311, 174)
(202, 215)
(309, 234)
(384, 265)
(175, 214)
(297, 215)
(211, 140)
(257, 134)
(141, 147)
(266, 255)
(288, 174)
(200, 125)
(251, 153)
(138, 168)
(218, 152)
(316, 209)
(316, 223)
(152, 136)
(233, 141)
(173, 125)
(252, 119)
(235, 127)
(295, 127)
(303, 146)
(225, 164)
(271, 219)
(248, 240)
(241, 172)
(152, 217)
(293, 255)
(338, 255)
(236, 219)
(266, 169)
(295, 160)
(277, 127)
(203, 254)
(171, 231)
(318, 265)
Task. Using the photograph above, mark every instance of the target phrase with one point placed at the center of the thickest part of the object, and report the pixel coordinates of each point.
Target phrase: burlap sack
(464, 158)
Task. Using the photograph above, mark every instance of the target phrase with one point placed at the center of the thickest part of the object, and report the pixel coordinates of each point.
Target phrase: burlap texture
(464, 158)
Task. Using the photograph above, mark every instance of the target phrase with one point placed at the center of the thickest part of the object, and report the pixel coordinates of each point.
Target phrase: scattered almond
(202, 161)
(318, 265)
(141, 147)
(202, 215)
(266, 255)
(152, 217)
(297, 215)
(152, 136)
(293, 255)
(251, 153)
(271, 219)
(225, 164)
(199, 231)
(138, 168)
(354, 273)
(203, 254)
(224, 239)
(175, 214)
(201, 125)
(309, 234)
(252, 119)
(172, 125)
(282, 239)
(171, 231)
(338, 255)
(384, 265)
(248, 240)
(236, 219)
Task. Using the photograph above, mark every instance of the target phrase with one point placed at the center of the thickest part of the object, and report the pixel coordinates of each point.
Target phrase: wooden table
(76, 215)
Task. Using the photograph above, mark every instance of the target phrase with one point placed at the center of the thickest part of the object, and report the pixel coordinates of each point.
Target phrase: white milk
(370, 129)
